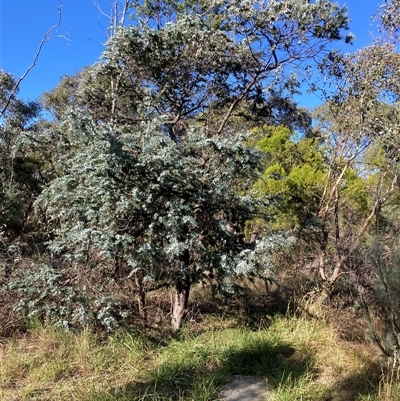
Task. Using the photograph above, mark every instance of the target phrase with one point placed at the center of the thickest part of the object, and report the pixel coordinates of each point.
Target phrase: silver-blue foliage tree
(159, 210)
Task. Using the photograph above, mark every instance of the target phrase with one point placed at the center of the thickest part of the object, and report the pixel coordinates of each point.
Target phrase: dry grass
(315, 355)
(49, 364)
(303, 359)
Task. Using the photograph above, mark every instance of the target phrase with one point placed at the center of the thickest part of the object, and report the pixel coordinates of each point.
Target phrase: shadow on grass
(200, 376)
(360, 385)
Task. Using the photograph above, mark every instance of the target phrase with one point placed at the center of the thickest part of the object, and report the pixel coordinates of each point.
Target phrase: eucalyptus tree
(380, 298)
(389, 17)
(360, 125)
(202, 60)
(65, 96)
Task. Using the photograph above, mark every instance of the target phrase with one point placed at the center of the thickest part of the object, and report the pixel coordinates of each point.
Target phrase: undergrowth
(301, 359)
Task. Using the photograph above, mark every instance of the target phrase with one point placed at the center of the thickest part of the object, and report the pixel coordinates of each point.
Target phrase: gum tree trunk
(180, 304)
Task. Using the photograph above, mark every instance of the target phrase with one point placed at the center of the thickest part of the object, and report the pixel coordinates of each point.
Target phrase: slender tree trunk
(180, 303)
(255, 233)
(341, 257)
(141, 296)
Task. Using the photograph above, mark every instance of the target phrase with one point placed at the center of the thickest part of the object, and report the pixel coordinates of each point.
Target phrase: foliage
(128, 203)
(383, 308)
(195, 60)
(65, 95)
(294, 175)
(55, 295)
(20, 178)
(388, 15)
(116, 188)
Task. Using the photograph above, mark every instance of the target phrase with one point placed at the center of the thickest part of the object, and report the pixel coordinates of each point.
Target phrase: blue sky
(77, 42)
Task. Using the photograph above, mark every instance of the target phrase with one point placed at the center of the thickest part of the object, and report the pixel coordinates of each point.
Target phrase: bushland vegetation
(180, 218)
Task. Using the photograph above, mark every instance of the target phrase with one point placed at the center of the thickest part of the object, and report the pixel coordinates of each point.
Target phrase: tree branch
(46, 38)
(237, 101)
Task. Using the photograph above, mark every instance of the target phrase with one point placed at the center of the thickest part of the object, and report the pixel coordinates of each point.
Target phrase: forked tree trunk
(180, 304)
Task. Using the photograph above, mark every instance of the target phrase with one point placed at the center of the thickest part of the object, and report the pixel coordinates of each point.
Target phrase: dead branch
(46, 38)
(114, 18)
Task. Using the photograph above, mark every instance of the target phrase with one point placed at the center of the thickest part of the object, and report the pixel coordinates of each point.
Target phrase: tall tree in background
(201, 61)
(382, 254)
(294, 175)
(389, 18)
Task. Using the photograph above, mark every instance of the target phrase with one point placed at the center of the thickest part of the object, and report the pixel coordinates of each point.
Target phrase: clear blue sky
(23, 23)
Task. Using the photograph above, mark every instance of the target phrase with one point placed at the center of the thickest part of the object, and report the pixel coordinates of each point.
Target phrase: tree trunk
(180, 303)
(141, 296)
(255, 233)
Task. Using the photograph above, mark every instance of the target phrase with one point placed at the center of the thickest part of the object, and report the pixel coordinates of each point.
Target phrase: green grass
(302, 359)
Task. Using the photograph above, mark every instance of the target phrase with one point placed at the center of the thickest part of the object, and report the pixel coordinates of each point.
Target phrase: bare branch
(115, 20)
(97, 5)
(245, 91)
(46, 38)
(124, 12)
(380, 199)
